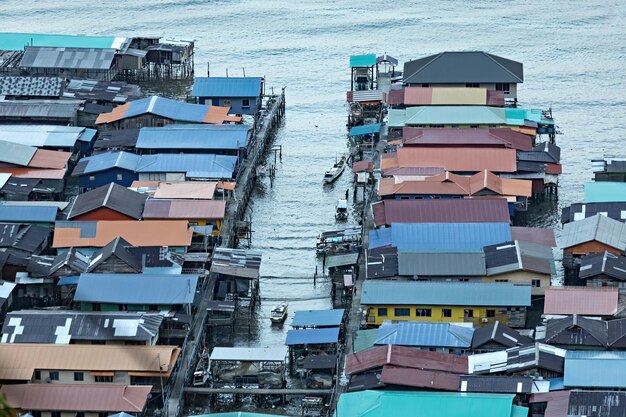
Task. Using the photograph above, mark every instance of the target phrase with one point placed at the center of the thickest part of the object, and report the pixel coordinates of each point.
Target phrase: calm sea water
(574, 56)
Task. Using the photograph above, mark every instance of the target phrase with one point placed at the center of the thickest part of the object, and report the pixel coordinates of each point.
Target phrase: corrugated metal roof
(382, 262)
(526, 117)
(194, 165)
(604, 403)
(312, 336)
(365, 96)
(318, 318)
(384, 403)
(536, 355)
(227, 87)
(342, 259)
(85, 397)
(419, 378)
(366, 60)
(596, 228)
(68, 58)
(17, 41)
(425, 334)
(498, 333)
(454, 159)
(185, 209)
(236, 262)
(31, 86)
(603, 263)
(205, 137)
(143, 289)
(16, 154)
(441, 237)
(463, 67)
(365, 129)
(536, 235)
(112, 196)
(106, 160)
(595, 369)
(46, 109)
(118, 92)
(588, 301)
(444, 293)
(266, 354)
(466, 210)
(27, 214)
(504, 137)
(441, 264)
(605, 191)
(191, 190)
(577, 331)
(579, 211)
(44, 158)
(447, 115)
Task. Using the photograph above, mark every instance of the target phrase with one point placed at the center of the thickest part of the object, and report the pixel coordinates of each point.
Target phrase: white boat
(334, 173)
(341, 209)
(279, 313)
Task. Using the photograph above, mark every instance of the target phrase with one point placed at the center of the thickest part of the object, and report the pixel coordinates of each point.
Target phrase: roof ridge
(501, 66)
(435, 57)
(108, 194)
(137, 407)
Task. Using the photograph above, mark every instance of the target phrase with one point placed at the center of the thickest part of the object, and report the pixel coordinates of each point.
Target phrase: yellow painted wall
(457, 314)
(523, 277)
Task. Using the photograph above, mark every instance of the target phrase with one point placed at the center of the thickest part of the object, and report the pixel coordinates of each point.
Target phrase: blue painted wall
(106, 177)
(236, 104)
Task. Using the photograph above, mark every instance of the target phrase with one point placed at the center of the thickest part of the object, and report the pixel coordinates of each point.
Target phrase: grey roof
(118, 248)
(236, 262)
(47, 109)
(551, 149)
(33, 239)
(50, 136)
(8, 234)
(498, 333)
(596, 403)
(20, 186)
(382, 262)
(597, 228)
(157, 257)
(617, 333)
(537, 355)
(441, 264)
(67, 58)
(463, 67)
(519, 256)
(579, 211)
(497, 384)
(603, 263)
(72, 259)
(112, 196)
(576, 330)
(102, 91)
(444, 293)
(31, 86)
(16, 154)
(142, 289)
(63, 327)
(117, 139)
(105, 161)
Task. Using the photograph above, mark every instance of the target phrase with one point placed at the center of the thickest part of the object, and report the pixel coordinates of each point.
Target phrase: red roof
(538, 235)
(501, 137)
(420, 378)
(462, 159)
(581, 300)
(363, 166)
(451, 210)
(84, 397)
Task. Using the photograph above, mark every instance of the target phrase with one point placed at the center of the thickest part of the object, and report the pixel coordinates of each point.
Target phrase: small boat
(334, 173)
(279, 313)
(341, 209)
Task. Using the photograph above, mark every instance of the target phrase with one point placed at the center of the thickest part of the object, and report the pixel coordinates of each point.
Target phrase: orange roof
(49, 159)
(454, 159)
(44, 174)
(116, 114)
(388, 186)
(193, 190)
(226, 185)
(137, 233)
(219, 115)
(502, 186)
(138, 184)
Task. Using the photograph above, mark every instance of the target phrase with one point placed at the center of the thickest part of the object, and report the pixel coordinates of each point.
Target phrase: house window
(55, 414)
(382, 312)
(503, 87)
(96, 307)
(245, 103)
(92, 178)
(464, 279)
(468, 313)
(402, 312)
(104, 378)
(502, 280)
(54, 376)
(120, 177)
(78, 376)
(446, 312)
(423, 312)
(35, 413)
(37, 375)
(491, 313)
(425, 85)
(472, 85)
(536, 283)
(80, 414)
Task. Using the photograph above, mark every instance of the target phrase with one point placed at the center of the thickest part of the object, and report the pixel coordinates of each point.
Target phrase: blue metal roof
(425, 334)
(145, 289)
(441, 237)
(108, 160)
(365, 129)
(72, 280)
(194, 165)
(45, 135)
(202, 136)
(605, 191)
(27, 214)
(481, 294)
(165, 107)
(317, 318)
(312, 336)
(599, 369)
(87, 135)
(227, 87)
(556, 384)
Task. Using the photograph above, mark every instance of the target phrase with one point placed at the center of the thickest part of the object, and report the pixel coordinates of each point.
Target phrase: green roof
(429, 404)
(605, 191)
(17, 41)
(365, 339)
(362, 60)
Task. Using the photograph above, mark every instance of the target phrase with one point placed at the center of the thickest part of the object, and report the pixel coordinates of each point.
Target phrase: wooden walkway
(258, 391)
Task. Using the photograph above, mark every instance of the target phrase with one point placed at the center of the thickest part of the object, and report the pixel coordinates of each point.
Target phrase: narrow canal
(573, 55)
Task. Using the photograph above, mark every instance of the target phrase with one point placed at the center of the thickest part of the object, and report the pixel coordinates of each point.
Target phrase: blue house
(105, 168)
(242, 94)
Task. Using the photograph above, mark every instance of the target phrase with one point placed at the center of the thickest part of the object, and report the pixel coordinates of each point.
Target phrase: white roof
(267, 354)
(5, 289)
(4, 178)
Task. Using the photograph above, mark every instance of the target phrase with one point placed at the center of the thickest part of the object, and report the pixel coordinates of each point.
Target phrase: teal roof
(604, 192)
(517, 117)
(429, 404)
(365, 339)
(17, 41)
(234, 414)
(362, 60)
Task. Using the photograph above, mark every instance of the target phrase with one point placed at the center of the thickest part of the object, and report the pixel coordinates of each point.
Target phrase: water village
(129, 260)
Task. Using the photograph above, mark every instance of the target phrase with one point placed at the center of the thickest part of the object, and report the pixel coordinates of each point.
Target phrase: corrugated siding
(459, 96)
(595, 369)
(418, 96)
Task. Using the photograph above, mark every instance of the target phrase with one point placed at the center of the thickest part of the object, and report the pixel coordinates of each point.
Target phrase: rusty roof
(488, 181)
(193, 190)
(537, 235)
(588, 301)
(35, 173)
(83, 397)
(451, 210)
(18, 361)
(462, 159)
(363, 166)
(49, 159)
(482, 137)
(420, 378)
(184, 209)
(138, 233)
